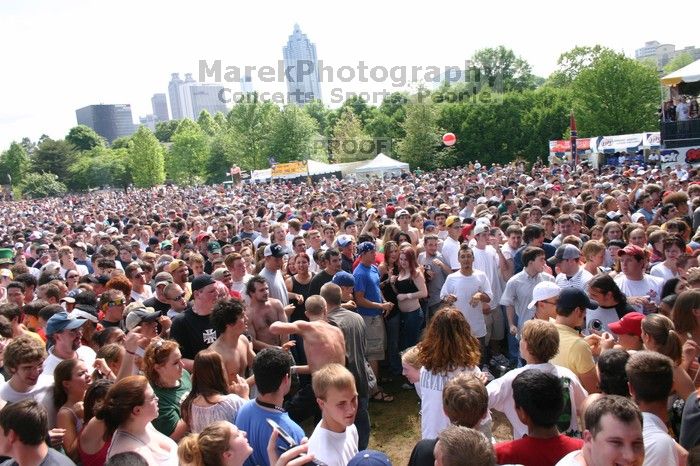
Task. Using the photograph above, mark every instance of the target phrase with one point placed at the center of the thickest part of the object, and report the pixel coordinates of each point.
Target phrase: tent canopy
(320, 168)
(382, 164)
(687, 74)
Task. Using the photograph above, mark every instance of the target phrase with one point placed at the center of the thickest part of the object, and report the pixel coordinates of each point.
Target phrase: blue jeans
(513, 345)
(393, 325)
(362, 422)
(411, 325)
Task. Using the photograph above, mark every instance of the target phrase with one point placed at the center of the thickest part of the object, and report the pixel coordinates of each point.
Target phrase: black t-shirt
(157, 304)
(318, 281)
(193, 332)
(106, 323)
(422, 454)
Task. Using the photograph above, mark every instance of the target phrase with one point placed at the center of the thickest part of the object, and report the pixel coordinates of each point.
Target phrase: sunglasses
(117, 302)
(178, 297)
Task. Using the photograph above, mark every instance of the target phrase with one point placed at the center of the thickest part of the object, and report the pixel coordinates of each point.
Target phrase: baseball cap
(174, 265)
(344, 278)
(571, 298)
(480, 228)
(200, 237)
(428, 224)
(567, 251)
(273, 250)
(163, 278)
(344, 240)
(214, 246)
(202, 281)
(544, 291)
(365, 247)
(62, 321)
(637, 216)
(630, 324)
(84, 311)
(166, 244)
(139, 314)
(632, 250)
(401, 212)
(370, 458)
(450, 220)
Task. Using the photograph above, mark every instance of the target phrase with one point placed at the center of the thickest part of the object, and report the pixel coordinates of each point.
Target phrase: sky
(61, 55)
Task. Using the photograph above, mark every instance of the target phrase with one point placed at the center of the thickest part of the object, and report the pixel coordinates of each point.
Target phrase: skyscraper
(300, 59)
(247, 84)
(190, 97)
(109, 121)
(160, 107)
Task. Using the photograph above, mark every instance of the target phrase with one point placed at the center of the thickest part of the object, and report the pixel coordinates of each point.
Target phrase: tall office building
(247, 84)
(173, 94)
(109, 121)
(160, 107)
(189, 97)
(300, 55)
(661, 54)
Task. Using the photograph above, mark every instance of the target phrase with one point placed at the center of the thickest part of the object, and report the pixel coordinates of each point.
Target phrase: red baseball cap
(632, 250)
(630, 324)
(201, 236)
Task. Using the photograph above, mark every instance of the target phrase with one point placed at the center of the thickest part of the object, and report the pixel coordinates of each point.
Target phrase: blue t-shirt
(251, 418)
(367, 281)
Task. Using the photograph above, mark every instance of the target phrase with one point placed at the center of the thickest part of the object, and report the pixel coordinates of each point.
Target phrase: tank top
(406, 286)
(304, 290)
(99, 458)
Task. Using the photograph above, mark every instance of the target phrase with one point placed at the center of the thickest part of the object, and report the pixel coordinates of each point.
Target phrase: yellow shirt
(574, 353)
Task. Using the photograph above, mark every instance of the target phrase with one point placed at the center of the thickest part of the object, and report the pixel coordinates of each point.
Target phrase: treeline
(506, 113)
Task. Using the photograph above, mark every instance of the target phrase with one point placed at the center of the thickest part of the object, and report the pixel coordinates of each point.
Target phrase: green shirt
(169, 401)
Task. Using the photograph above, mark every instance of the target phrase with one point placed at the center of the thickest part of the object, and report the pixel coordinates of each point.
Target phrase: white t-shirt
(571, 459)
(604, 315)
(647, 286)
(464, 288)
(85, 354)
(487, 261)
(501, 395)
(82, 270)
(450, 251)
(662, 272)
(659, 447)
(333, 448)
(147, 294)
(433, 419)
(42, 392)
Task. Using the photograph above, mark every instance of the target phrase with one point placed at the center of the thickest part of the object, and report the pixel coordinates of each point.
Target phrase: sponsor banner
(291, 168)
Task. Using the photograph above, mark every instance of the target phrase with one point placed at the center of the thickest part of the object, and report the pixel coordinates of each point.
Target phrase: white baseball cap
(542, 291)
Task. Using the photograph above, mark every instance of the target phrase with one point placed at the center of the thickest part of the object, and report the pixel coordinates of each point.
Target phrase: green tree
(291, 134)
(316, 110)
(121, 143)
(571, 63)
(359, 107)
(39, 185)
(14, 165)
(386, 124)
(54, 157)
(84, 138)
(678, 62)
(420, 146)
(166, 129)
(251, 122)
(99, 167)
(222, 156)
(616, 95)
(208, 123)
(350, 143)
(146, 159)
(503, 70)
(188, 154)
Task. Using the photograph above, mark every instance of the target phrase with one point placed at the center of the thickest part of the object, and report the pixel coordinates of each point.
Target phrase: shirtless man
(323, 344)
(230, 322)
(263, 312)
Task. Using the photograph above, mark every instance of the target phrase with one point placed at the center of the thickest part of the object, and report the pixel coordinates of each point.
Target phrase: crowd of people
(206, 326)
(681, 108)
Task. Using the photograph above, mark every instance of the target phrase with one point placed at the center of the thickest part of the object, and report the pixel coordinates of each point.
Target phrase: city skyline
(45, 87)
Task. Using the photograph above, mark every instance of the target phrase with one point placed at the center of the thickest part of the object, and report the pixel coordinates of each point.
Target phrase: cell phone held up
(287, 442)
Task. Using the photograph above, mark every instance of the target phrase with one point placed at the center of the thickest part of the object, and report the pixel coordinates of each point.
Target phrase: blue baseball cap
(343, 278)
(370, 458)
(62, 321)
(365, 247)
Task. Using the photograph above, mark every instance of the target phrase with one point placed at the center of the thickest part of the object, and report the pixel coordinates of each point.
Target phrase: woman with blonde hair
(127, 411)
(659, 334)
(448, 349)
(219, 444)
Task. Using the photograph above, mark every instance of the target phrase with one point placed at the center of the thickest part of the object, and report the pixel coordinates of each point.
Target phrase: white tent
(687, 74)
(380, 165)
(321, 168)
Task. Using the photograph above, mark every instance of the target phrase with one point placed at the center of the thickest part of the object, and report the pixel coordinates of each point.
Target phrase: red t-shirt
(536, 451)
